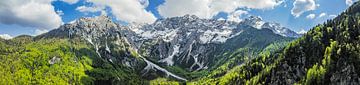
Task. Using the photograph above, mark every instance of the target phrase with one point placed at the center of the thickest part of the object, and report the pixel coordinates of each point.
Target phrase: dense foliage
(57, 61)
(327, 54)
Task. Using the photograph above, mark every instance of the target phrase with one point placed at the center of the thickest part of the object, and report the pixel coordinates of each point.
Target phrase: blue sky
(312, 12)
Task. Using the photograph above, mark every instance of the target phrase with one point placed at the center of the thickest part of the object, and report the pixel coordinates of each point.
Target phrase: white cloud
(209, 8)
(29, 13)
(231, 5)
(322, 15)
(172, 8)
(302, 6)
(40, 31)
(310, 16)
(350, 2)
(235, 16)
(127, 10)
(59, 12)
(90, 8)
(5, 36)
(70, 1)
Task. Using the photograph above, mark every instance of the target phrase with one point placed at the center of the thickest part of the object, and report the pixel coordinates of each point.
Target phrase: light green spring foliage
(30, 64)
(325, 50)
(59, 62)
(163, 81)
(245, 73)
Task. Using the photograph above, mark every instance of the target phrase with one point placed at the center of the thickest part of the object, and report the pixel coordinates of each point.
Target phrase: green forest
(327, 54)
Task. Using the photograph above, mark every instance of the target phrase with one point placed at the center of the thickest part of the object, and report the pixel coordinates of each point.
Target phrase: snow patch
(107, 48)
(259, 24)
(219, 36)
(147, 35)
(170, 36)
(196, 62)
(151, 65)
(169, 60)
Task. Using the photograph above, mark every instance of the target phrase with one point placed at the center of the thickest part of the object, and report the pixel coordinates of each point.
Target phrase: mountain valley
(186, 50)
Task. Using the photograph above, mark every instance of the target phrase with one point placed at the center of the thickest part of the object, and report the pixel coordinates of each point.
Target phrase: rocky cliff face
(258, 23)
(187, 42)
(194, 43)
(109, 42)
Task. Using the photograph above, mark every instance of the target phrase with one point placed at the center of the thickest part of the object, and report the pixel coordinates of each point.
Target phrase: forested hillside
(328, 54)
(186, 50)
(57, 61)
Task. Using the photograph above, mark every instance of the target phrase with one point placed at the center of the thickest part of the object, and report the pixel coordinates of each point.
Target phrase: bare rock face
(194, 43)
(258, 23)
(54, 60)
(188, 42)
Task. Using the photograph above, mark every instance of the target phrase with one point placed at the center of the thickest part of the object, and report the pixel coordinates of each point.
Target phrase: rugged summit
(179, 48)
(186, 50)
(193, 43)
(185, 42)
(326, 55)
(258, 23)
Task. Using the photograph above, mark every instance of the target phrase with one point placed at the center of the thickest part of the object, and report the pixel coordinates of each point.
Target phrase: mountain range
(186, 50)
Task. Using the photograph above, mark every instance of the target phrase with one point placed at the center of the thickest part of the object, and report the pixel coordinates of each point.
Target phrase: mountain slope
(258, 23)
(58, 61)
(327, 54)
(190, 35)
(186, 50)
(99, 51)
(191, 47)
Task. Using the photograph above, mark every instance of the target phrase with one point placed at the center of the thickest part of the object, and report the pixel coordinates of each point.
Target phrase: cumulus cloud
(301, 6)
(29, 13)
(172, 8)
(40, 31)
(5, 36)
(127, 10)
(231, 5)
(310, 16)
(322, 15)
(90, 8)
(235, 16)
(59, 12)
(209, 8)
(70, 1)
(350, 2)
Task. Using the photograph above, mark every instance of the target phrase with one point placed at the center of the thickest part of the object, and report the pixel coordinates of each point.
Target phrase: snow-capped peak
(254, 21)
(302, 31)
(258, 23)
